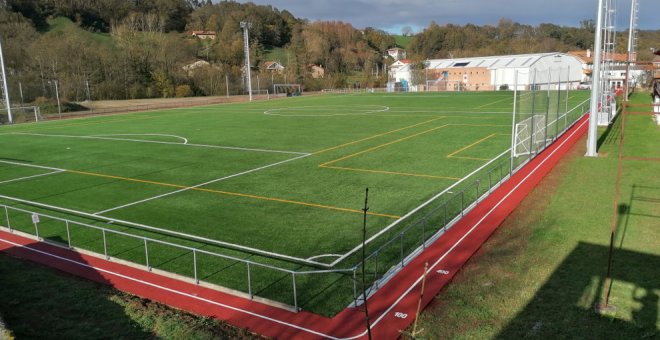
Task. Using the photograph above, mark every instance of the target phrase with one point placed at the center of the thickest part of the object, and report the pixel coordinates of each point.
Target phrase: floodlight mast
(246, 46)
(5, 88)
(592, 139)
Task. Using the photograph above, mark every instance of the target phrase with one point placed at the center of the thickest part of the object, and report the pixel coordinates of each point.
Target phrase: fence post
(195, 266)
(146, 254)
(354, 286)
(68, 233)
(401, 248)
(36, 228)
(7, 215)
(105, 245)
(424, 221)
(478, 182)
(295, 293)
(249, 279)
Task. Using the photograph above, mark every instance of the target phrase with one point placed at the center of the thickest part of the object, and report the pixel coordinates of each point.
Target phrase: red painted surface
(392, 308)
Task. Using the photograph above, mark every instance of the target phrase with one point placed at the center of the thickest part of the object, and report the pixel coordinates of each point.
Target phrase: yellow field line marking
(314, 205)
(378, 135)
(383, 145)
(471, 145)
(389, 172)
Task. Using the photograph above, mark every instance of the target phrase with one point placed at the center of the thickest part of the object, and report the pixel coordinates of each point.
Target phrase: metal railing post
(354, 286)
(249, 280)
(195, 266)
(36, 228)
(7, 215)
(424, 221)
(68, 233)
(478, 182)
(146, 254)
(401, 247)
(295, 293)
(105, 245)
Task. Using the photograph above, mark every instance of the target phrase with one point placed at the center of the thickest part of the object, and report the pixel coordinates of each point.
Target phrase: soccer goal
(529, 136)
(289, 90)
(22, 114)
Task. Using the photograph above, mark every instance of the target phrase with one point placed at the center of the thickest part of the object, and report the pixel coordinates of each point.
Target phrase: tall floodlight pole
(632, 45)
(592, 138)
(246, 46)
(5, 88)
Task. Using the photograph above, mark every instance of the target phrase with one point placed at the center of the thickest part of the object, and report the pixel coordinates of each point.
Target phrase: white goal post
(529, 136)
(287, 89)
(21, 114)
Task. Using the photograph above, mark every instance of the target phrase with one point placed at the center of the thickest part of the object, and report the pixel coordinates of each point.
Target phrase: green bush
(183, 91)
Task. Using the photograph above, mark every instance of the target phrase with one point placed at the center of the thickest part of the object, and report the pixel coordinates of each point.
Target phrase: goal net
(289, 90)
(22, 114)
(529, 136)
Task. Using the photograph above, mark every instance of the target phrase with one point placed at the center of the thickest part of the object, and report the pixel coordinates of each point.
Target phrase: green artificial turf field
(278, 182)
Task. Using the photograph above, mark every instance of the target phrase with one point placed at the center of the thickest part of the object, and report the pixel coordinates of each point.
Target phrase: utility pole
(246, 46)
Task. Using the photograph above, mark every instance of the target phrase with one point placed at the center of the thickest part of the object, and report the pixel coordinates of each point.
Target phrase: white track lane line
(199, 185)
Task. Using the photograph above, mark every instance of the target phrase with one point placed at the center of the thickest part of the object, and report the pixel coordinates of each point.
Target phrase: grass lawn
(543, 271)
(39, 302)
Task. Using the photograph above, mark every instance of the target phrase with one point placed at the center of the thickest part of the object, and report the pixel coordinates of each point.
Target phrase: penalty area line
(200, 185)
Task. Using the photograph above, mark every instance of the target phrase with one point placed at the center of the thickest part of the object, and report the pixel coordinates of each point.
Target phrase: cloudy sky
(392, 15)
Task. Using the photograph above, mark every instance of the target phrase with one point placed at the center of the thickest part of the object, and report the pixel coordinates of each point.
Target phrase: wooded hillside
(123, 49)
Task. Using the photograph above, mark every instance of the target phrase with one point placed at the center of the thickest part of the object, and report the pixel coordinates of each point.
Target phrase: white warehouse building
(499, 72)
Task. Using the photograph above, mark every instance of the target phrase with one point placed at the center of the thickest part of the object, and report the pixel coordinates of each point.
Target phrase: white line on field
(30, 177)
(199, 185)
(162, 142)
(185, 140)
(31, 165)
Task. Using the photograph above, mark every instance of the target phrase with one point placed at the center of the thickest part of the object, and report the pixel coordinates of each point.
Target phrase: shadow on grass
(564, 306)
(38, 302)
(609, 137)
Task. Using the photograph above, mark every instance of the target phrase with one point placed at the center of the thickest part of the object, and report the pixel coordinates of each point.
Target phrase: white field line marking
(359, 110)
(31, 165)
(125, 223)
(30, 177)
(418, 208)
(161, 142)
(376, 322)
(185, 140)
(410, 213)
(199, 185)
(167, 289)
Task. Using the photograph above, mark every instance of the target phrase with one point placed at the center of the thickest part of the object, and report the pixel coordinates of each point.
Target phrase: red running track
(392, 308)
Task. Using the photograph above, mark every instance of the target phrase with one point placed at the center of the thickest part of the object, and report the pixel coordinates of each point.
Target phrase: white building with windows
(502, 72)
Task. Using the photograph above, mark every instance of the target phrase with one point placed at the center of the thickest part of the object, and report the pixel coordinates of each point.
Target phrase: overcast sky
(392, 15)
